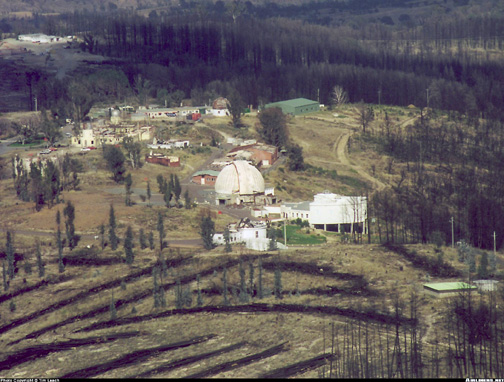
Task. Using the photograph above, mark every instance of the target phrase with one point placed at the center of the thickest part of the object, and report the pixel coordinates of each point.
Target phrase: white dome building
(239, 182)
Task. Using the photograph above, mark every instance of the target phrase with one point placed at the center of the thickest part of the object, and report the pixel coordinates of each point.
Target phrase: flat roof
(448, 286)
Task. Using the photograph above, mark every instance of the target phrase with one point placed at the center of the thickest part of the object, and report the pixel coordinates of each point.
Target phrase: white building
(251, 233)
(330, 212)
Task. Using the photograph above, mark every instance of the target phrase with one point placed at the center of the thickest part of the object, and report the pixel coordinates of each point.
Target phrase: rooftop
(449, 286)
(296, 102)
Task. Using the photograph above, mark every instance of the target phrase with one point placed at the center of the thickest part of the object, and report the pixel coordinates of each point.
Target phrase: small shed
(447, 289)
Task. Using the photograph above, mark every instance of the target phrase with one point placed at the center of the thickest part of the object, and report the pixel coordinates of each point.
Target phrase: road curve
(341, 151)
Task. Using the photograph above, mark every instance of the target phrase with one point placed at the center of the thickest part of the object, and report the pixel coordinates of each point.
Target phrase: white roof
(239, 177)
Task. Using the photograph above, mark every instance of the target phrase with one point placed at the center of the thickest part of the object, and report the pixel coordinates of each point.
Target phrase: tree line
(267, 61)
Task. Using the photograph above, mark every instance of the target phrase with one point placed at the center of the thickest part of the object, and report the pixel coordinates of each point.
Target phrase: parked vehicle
(46, 151)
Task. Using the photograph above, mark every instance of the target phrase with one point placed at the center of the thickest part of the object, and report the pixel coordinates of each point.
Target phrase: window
(257, 234)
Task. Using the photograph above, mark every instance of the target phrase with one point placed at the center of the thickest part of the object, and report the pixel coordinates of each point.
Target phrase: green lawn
(31, 144)
(297, 235)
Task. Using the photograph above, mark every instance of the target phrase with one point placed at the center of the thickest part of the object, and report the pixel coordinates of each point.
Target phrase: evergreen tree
(148, 193)
(207, 231)
(168, 193)
(235, 106)
(112, 227)
(151, 241)
(278, 283)
(227, 239)
(187, 200)
(40, 264)
(492, 262)
(9, 252)
(274, 127)
(115, 162)
(142, 240)
(69, 213)
(127, 185)
(59, 243)
(177, 189)
(128, 246)
(160, 181)
(160, 228)
(296, 160)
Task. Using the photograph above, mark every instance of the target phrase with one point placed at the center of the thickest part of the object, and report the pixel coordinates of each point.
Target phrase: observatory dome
(239, 177)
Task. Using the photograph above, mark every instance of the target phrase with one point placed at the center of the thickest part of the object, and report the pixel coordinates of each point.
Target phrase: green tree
(235, 106)
(148, 192)
(81, 100)
(187, 200)
(52, 184)
(151, 241)
(9, 252)
(177, 189)
(127, 185)
(168, 193)
(160, 181)
(134, 149)
(207, 231)
(274, 127)
(115, 162)
(69, 213)
(70, 168)
(227, 240)
(251, 278)
(483, 266)
(50, 128)
(37, 185)
(40, 263)
(112, 227)
(128, 246)
(59, 243)
(142, 239)
(296, 160)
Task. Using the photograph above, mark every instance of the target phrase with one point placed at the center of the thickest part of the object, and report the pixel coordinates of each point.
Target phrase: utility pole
(453, 240)
(35, 100)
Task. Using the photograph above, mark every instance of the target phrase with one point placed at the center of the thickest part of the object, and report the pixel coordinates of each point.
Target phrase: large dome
(239, 177)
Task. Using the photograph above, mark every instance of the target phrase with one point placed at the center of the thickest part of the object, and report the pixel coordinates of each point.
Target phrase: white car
(85, 149)
(46, 151)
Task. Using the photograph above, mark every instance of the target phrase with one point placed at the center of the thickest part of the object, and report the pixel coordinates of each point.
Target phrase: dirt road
(340, 146)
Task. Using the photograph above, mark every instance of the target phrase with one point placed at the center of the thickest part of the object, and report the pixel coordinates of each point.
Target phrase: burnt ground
(267, 338)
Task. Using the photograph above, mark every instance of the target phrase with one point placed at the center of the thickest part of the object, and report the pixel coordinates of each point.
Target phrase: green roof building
(447, 289)
(295, 106)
